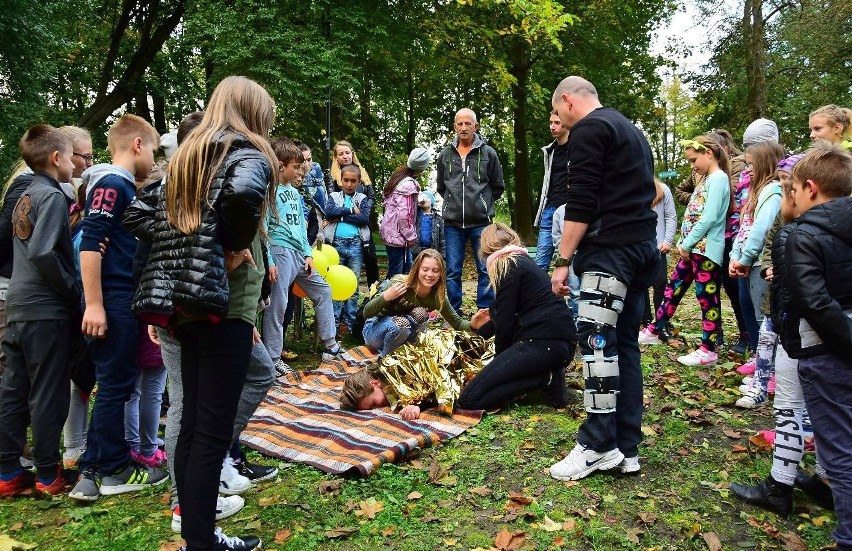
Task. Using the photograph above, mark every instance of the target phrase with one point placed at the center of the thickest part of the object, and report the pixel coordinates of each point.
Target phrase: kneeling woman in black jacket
(534, 332)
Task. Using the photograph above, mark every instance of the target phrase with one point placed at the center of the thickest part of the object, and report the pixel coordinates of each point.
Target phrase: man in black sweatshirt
(610, 225)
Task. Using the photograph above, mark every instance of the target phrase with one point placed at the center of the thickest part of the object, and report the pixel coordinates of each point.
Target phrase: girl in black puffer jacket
(203, 281)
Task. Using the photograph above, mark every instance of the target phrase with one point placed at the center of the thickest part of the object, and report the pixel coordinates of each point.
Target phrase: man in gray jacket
(554, 189)
(470, 179)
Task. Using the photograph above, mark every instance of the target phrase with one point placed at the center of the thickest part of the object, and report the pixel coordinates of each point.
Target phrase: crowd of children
(137, 281)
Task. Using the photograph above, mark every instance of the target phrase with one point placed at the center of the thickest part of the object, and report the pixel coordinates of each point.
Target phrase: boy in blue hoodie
(291, 261)
(42, 295)
(108, 289)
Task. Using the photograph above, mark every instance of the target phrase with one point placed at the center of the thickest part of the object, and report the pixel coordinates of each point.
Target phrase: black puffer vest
(187, 272)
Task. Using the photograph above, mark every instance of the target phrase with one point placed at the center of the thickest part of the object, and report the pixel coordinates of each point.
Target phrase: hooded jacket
(399, 227)
(16, 189)
(187, 272)
(812, 260)
(470, 187)
(547, 152)
(44, 282)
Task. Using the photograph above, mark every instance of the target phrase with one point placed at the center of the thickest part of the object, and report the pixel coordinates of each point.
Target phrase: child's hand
(770, 273)
(664, 247)
(480, 318)
(325, 224)
(309, 266)
(273, 274)
(94, 322)
(152, 334)
(102, 247)
(395, 291)
(684, 254)
(410, 413)
(739, 269)
(255, 336)
(356, 210)
(234, 260)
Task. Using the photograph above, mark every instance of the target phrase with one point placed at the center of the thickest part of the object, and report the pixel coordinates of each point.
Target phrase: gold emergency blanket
(436, 367)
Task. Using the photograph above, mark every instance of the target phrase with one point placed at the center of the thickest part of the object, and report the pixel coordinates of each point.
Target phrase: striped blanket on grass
(301, 421)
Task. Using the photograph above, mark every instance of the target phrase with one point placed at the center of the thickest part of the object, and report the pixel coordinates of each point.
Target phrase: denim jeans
(349, 249)
(382, 334)
(142, 411)
(544, 248)
(456, 241)
(757, 288)
(636, 265)
(399, 260)
(747, 310)
(827, 388)
(115, 371)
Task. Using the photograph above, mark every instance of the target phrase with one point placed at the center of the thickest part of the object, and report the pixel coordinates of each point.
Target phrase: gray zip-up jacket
(470, 187)
(44, 281)
(547, 151)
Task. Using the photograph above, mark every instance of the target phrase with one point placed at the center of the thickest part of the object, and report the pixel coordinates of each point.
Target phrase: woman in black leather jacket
(203, 281)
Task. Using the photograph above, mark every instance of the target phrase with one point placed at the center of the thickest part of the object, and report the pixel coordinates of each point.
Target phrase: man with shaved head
(470, 179)
(611, 227)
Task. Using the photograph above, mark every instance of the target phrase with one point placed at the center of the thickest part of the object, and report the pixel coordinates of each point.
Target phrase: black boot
(817, 490)
(769, 494)
(557, 394)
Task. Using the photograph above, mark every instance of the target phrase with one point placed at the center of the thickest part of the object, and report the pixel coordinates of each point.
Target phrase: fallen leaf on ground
(17, 526)
(712, 541)
(330, 486)
(369, 508)
(792, 542)
(760, 442)
(340, 532)
(481, 491)
(569, 524)
(647, 518)
(633, 534)
(549, 525)
(282, 535)
(164, 546)
(509, 541)
(413, 495)
(732, 434)
(736, 448)
(389, 531)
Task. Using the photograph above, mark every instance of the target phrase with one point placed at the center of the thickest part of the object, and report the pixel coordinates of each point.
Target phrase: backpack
(398, 227)
(358, 324)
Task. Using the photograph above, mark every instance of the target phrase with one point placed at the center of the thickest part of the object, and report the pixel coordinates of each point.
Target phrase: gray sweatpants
(291, 269)
(259, 379)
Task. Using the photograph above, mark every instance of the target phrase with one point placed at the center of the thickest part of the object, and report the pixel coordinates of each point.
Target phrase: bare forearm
(572, 233)
(90, 268)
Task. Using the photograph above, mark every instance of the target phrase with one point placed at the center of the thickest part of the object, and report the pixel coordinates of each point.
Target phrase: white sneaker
(232, 482)
(646, 336)
(629, 465)
(701, 356)
(755, 397)
(582, 462)
(225, 507)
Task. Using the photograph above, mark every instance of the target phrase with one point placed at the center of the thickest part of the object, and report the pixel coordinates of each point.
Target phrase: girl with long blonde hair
(533, 329)
(399, 310)
(202, 280)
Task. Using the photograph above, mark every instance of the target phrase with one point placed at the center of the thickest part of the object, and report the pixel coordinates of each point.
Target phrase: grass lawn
(489, 488)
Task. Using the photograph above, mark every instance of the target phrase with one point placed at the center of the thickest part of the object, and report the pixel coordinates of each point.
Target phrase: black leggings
(524, 366)
(732, 287)
(659, 287)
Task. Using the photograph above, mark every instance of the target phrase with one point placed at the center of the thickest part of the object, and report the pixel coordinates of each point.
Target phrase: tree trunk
(522, 208)
(754, 39)
(160, 122)
(150, 43)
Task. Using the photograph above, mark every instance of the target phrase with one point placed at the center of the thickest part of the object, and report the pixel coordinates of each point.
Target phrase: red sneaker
(19, 484)
(61, 484)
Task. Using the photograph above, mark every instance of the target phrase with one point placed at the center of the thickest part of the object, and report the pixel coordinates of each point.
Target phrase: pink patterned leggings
(708, 278)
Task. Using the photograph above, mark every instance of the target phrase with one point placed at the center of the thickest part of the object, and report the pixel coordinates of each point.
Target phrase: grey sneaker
(133, 478)
(754, 398)
(86, 488)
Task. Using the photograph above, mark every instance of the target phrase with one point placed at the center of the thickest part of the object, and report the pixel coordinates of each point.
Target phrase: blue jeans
(544, 248)
(114, 357)
(349, 249)
(827, 389)
(747, 309)
(382, 334)
(456, 241)
(636, 265)
(399, 260)
(142, 411)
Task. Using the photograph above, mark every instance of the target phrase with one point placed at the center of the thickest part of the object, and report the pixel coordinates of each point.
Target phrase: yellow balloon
(320, 261)
(331, 254)
(343, 282)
